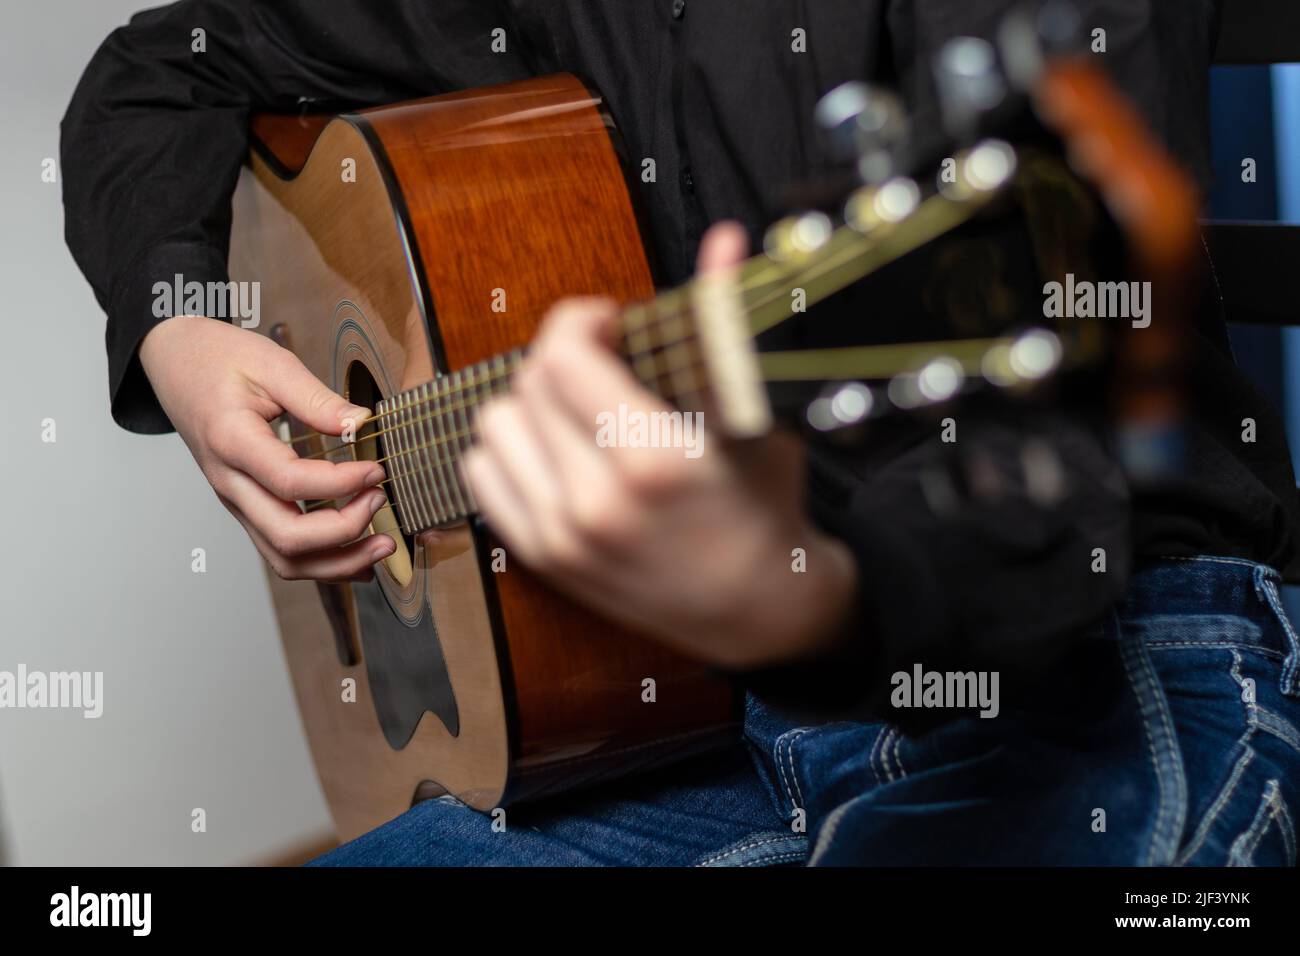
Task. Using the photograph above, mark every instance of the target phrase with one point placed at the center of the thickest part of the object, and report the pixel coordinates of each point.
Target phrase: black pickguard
(407, 671)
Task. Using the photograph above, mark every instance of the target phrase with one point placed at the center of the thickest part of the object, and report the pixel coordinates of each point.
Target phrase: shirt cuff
(131, 317)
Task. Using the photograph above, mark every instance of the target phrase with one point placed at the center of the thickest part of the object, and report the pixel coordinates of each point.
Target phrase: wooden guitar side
(511, 194)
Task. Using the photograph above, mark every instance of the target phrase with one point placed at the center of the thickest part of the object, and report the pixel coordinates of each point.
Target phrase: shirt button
(688, 180)
(679, 9)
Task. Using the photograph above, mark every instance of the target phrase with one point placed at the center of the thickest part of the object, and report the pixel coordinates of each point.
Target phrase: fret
(636, 335)
(473, 386)
(431, 426)
(460, 429)
(411, 517)
(416, 461)
(682, 372)
(471, 504)
(485, 389)
(441, 504)
(446, 470)
(439, 396)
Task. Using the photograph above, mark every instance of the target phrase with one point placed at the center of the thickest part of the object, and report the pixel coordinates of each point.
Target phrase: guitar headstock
(1026, 132)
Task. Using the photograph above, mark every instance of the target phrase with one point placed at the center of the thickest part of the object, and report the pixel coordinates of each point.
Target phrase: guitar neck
(427, 430)
(693, 345)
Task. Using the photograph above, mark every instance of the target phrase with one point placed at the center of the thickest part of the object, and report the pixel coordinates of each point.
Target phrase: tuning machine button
(797, 236)
(866, 125)
(985, 168)
(892, 201)
(970, 84)
(841, 405)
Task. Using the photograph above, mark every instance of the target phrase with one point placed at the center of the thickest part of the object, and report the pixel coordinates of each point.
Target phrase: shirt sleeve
(157, 129)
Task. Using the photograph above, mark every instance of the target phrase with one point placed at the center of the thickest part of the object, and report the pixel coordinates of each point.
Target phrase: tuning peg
(891, 201)
(969, 83)
(1027, 37)
(865, 124)
(1030, 357)
(843, 405)
(938, 380)
(796, 236)
(986, 167)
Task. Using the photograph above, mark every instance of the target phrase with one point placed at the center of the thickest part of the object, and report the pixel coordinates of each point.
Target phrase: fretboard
(426, 431)
(692, 346)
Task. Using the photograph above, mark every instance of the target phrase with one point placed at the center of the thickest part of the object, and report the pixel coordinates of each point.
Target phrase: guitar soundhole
(362, 390)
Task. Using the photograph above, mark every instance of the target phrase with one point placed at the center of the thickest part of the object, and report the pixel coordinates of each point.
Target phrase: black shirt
(717, 93)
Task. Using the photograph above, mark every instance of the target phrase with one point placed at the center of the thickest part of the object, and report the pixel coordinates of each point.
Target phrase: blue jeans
(1171, 737)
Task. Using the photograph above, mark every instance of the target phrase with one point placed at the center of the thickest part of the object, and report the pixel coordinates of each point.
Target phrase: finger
(586, 377)
(246, 442)
(499, 503)
(507, 435)
(722, 247)
(590, 318)
(291, 532)
(300, 393)
(579, 464)
(351, 562)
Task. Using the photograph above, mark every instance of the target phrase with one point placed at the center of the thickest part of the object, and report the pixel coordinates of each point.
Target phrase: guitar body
(394, 246)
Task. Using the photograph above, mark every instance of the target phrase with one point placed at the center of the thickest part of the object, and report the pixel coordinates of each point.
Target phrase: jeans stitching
(1215, 809)
(1278, 726)
(1291, 664)
(898, 756)
(1287, 828)
(1172, 810)
(831, 825)
(1242, 851)
(884, 754)
(770, 860)
(787, 738)
(794, 774)
(1160, 642)
(748, 846)
(1213, 559)
(871, 758)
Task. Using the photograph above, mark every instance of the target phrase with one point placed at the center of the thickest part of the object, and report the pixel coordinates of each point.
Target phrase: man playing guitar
(1104, 675)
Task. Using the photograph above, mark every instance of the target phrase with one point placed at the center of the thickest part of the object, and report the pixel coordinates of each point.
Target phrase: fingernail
(375, 475)
(354, 412)
(384, 547)
(377, 502)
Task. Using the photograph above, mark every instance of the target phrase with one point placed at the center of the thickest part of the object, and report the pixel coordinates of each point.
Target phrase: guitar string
(634, 310)
(648, 315)
(473, 400)
(977, 349)
(651, 354)
(818, 268)
(936, 349)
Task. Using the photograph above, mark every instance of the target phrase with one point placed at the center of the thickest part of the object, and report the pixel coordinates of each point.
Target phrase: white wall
(95, 573)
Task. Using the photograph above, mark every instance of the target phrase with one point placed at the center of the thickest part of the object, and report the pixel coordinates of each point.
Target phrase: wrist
(156, 344)
(808, 602)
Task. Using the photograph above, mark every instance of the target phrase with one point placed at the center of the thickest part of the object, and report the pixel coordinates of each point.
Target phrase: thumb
(300, 393)
(722, 247)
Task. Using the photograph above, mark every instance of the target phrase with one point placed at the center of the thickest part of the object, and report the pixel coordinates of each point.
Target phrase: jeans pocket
(1269, 839)
(1239, 745)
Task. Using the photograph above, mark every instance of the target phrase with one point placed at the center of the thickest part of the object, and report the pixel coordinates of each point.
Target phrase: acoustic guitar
(385, 242)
